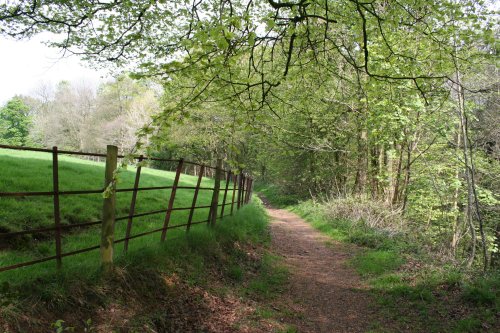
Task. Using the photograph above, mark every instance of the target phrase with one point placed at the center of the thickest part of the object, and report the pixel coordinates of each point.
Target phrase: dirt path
(327, 293)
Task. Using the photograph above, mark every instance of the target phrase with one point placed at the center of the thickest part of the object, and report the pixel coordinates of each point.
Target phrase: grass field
(32, 171)
(177, 285)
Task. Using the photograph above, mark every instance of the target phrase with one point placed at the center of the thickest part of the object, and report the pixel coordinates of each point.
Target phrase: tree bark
(396, 194)
(362, 162)
(108, 211)
(456, 226)
(374, 171)
(465, 152)
(406, 184)
(495, 256)
(389, 188)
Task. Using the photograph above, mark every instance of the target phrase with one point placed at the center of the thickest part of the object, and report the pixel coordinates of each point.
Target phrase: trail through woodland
(324, 290)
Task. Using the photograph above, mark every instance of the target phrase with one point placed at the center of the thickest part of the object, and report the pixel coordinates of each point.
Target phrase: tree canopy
(252, 45)
(15, 121)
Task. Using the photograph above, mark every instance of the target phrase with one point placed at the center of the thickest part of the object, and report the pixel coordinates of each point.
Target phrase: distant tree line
(79, 116)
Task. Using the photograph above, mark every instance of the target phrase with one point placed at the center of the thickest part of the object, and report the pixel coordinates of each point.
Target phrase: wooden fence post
(57, 211)
(250, 191)
(235, 177)
(215, 197)
(172, 198)
(241, 188)
(228, 179)
(132, 203)
(195, 197)
(244, 194)
(108, 209)
(245, 189)
(247, 186)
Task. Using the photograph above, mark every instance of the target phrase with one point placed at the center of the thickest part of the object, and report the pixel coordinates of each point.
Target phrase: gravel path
(327, 293)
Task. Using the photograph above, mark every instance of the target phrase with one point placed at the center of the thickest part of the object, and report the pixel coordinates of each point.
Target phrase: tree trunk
(406, 184)
(495, 256)
(465, 151)
(389, 188)
(457, 225)
(374, 171)
(362, 163)
(396, 194)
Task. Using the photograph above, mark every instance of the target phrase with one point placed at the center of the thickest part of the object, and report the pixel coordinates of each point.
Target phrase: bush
(373, 214)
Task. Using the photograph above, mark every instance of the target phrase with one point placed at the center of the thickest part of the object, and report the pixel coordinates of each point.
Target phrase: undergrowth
(413, 289)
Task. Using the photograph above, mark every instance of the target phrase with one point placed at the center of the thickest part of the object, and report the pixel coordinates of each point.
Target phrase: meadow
(23, 171)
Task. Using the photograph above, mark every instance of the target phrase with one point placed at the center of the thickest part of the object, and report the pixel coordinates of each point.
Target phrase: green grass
(273, 193)
(421, 297)
(484, 292)
(197, 259)
(272, 279)
(376, 263)
(32, 171)
(217, 260)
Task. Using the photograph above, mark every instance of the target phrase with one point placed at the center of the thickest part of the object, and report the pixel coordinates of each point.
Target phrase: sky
(25, 65)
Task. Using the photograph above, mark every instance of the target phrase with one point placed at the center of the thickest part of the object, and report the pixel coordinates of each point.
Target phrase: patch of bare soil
(169, 305)
(150, 301)
(328, 295)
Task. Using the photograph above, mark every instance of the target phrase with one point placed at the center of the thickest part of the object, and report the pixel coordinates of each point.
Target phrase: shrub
(373, 214)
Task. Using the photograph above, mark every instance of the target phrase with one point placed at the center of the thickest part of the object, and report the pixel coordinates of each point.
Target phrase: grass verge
(189, 283)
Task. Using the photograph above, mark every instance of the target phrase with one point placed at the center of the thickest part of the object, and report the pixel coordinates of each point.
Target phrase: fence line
(242, 187)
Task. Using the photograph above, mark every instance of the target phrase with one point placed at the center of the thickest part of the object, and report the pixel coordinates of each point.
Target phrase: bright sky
(25, 65)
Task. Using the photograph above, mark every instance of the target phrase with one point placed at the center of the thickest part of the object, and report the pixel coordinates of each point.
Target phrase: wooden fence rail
(240, 194)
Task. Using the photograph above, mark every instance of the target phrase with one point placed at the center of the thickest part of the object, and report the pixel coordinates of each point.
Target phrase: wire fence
(236, 193)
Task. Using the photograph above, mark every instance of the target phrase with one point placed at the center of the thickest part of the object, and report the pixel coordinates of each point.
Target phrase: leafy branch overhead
(251, 46)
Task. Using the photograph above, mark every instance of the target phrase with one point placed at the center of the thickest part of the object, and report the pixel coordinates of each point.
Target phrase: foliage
(370, 213)
(326, 99)
(78, 116)
(387, 111)
(15, 122)
(392, 102)
(268, 38)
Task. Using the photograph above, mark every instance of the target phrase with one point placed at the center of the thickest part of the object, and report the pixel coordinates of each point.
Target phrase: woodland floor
(323, 289)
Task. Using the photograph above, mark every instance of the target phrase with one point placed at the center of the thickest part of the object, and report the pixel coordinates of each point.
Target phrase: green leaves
(405, 40)
(15, 122)
(251, 38)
